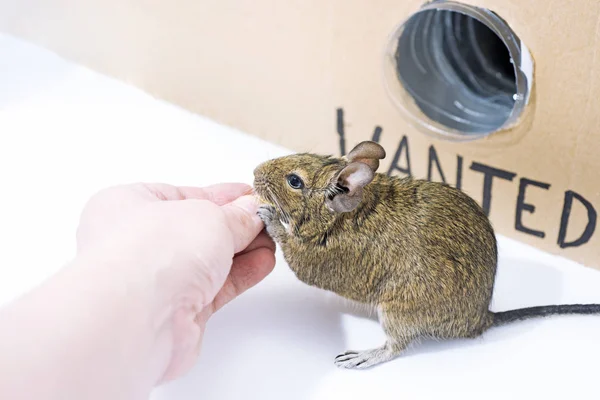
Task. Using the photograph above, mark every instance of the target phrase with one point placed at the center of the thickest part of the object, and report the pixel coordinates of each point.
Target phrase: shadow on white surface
(525, 283)
(263, 343)
(281, 338)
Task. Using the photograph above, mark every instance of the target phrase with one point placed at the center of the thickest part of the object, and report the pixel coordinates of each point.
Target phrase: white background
(66, 132)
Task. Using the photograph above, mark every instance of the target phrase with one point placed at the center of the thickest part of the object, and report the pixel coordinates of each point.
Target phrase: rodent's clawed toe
(266, 213)
(364, 359)
(348, 353)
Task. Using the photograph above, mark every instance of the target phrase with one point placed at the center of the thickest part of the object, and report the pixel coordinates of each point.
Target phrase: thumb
(243, 221)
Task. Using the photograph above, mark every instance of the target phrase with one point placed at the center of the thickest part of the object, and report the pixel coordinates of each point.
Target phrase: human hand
(188, 250)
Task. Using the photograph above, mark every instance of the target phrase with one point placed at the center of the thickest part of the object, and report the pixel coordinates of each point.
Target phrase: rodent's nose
(258, 170)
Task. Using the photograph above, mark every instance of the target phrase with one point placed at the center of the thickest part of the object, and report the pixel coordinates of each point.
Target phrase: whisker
(285, 216)
(331, 191)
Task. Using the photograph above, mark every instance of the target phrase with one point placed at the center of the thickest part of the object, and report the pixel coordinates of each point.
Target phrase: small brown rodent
(422, 254)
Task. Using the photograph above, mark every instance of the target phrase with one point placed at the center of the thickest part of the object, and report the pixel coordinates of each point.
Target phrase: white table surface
(66, 132)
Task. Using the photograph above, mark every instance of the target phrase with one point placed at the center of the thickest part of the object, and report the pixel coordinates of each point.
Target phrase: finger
(220, 194)
(262, 240)
(247, 271)
(243, 221)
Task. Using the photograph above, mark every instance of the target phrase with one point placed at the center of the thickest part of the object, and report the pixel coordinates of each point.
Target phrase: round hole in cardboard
(458, 71)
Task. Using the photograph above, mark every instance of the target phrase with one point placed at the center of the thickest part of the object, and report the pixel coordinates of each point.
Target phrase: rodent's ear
(352, 179)
(367, 152)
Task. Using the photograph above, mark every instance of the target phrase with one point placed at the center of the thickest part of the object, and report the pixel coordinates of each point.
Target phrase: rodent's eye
(294, 181)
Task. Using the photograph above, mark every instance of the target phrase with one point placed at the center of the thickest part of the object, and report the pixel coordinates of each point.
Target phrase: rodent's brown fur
(423, 254)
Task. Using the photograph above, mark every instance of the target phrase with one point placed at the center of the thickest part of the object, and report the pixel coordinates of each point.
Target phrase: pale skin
(153, 263)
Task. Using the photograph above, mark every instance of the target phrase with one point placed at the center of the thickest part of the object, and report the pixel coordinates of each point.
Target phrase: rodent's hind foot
(365, 359)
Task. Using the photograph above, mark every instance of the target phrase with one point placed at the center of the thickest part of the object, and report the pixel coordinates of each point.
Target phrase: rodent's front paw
(266, 213)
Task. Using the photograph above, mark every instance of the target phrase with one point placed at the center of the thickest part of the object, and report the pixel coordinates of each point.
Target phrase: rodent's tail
(505, 317)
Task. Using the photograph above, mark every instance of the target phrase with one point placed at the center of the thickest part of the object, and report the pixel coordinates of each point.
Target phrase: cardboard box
(321, 76)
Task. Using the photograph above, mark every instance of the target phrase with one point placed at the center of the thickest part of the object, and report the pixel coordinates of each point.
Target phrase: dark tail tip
(505, 317)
